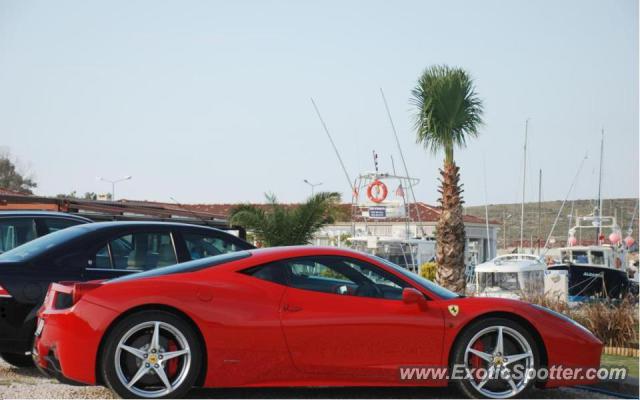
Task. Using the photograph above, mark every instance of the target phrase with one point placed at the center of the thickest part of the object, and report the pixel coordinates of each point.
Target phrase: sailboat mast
(524, 181)
(419, 226)
(335, 149)
(539, 208)
(600, 189)
(486, 210)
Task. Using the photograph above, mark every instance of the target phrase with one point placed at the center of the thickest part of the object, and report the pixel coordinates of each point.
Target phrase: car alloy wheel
(499, 362)
(498, 356)
(152, 354)
(152, 359)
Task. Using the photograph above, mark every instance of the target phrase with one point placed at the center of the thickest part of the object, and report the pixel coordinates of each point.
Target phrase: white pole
(486, 210)
(524, 181)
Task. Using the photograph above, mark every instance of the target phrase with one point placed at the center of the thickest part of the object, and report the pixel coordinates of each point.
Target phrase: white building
(481, 245)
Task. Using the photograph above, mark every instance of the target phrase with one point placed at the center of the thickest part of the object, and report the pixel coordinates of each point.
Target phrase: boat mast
(406, 170)
(524, 181)
(354, 193)
(599, 230)
(573, 183)
(344, 169)
(486, 210)
(539, 208)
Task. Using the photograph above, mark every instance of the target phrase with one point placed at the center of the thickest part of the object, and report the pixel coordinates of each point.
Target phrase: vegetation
(12, 179)
(622, 208)
(428, 270)
(86, 196)
(448, 113)
(277, 224)
(631, 363)
(615, 324)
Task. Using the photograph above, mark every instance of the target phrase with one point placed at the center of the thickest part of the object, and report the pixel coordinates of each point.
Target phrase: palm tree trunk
(450, 232)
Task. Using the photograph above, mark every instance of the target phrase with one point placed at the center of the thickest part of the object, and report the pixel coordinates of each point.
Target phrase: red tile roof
(9, 192)
(417, 211)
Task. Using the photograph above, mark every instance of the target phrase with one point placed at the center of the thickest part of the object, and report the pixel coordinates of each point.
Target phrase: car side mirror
(413, 296)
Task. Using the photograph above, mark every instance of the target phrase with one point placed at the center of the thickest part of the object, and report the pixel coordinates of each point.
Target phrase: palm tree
(282, 225)
(448, 113)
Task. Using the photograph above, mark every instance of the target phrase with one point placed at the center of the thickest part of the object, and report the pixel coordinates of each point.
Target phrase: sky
(209, 101)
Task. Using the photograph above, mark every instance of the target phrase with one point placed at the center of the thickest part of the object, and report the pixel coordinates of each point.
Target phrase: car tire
(130, 355)
(18, 360)
(478, 347)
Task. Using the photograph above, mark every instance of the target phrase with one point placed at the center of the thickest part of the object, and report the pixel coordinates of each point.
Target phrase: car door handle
(291, 308)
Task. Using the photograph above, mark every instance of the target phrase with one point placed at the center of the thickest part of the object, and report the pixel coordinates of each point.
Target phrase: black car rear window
(189, 266)
(44, 243)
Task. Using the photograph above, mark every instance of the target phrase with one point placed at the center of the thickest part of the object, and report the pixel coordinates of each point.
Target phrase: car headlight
(562, 317)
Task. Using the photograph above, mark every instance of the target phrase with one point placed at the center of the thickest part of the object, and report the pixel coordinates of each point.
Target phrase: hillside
(620, 208)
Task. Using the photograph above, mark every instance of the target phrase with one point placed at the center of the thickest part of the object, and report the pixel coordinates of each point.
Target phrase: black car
(86, 252)
(20, 227)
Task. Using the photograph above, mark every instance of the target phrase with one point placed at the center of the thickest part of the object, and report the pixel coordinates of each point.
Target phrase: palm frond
(448, 110)
(279, 225)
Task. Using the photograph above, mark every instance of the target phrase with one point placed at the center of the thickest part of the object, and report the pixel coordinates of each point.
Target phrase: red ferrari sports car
(298, 316)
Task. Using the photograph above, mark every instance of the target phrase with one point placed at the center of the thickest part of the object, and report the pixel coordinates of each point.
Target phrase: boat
(409, 253)
(511, 276)
(373, 202)
(596, 271)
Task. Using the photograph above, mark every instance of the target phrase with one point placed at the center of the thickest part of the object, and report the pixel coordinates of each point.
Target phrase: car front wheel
(151, 354)
(499, 359)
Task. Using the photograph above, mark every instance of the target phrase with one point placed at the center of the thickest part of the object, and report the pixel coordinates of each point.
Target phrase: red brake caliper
(172, 365)
(475, 361)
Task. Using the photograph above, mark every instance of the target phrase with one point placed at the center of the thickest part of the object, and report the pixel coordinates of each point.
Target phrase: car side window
(55, 224)
(139, 251)
(202, 245)
(344, 276)
(16, 231)
(273, 272)
(102, 259)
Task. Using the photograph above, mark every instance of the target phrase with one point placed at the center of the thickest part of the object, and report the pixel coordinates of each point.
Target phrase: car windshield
(423, 282)
(38, 246)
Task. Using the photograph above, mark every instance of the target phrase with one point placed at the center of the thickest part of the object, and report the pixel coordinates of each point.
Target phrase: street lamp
(113, 184)
(313, 185)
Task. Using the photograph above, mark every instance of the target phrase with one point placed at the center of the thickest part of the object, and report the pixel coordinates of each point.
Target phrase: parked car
(20, 227)
(102, 250)
(295, 316)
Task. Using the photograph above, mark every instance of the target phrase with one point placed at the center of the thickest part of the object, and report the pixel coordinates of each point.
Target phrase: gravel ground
(29, 384)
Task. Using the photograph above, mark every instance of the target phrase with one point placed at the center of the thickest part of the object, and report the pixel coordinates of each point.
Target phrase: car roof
(126, 224)
(53, 214)
(264, 254)
(305, 250)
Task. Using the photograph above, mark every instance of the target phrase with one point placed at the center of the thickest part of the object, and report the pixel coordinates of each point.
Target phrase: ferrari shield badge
(453, 309)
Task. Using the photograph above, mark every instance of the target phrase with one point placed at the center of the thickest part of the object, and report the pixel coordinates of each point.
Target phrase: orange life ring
(377, 191)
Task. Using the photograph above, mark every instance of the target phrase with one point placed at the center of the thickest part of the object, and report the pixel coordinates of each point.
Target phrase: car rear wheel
(18, 360)
(151, 354)
(498, 358)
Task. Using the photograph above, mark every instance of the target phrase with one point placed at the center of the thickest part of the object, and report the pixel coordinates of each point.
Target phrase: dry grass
(615, 324)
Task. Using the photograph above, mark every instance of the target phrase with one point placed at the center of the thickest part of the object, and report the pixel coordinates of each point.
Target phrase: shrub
(615, 324)
(428, 270)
